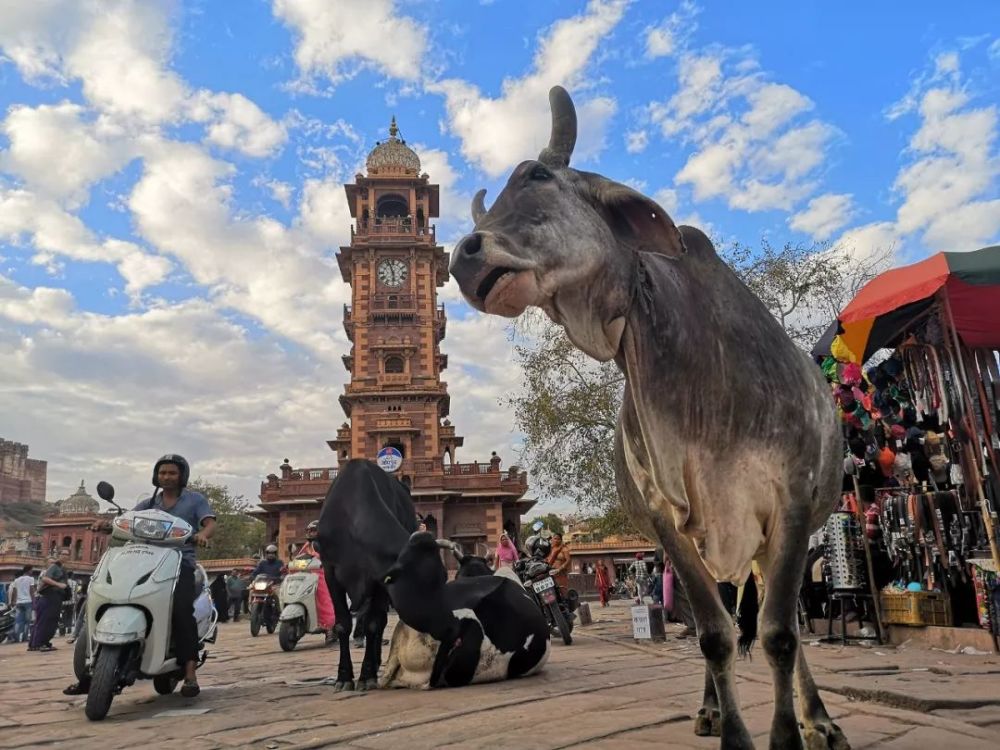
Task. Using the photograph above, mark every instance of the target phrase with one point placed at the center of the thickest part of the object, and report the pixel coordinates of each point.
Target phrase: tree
(551, 520)
(568, 404)
(236, 534)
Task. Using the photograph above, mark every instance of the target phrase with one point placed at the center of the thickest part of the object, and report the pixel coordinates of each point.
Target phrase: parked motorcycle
(8, 616)
(127, 634)
(297, 596)
(558, 608)
(264, 609)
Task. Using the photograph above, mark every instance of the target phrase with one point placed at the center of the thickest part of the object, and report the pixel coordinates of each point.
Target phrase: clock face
(392, 272)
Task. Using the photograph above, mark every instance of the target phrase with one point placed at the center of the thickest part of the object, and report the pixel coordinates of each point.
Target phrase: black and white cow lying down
(454, 633)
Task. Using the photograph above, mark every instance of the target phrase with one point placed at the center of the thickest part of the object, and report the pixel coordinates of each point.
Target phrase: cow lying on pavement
(454, 633)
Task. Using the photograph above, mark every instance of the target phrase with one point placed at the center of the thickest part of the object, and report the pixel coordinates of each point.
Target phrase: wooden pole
(975, 447)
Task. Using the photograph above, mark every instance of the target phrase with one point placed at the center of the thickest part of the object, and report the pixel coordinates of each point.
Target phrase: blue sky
(170, 184)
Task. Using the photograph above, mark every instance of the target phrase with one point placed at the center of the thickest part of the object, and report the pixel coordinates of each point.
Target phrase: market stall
(913, 364)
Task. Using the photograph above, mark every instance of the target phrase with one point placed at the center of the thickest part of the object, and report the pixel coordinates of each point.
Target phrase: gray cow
(727, 448)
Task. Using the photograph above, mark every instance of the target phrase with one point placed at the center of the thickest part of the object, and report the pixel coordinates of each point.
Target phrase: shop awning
(882, 310)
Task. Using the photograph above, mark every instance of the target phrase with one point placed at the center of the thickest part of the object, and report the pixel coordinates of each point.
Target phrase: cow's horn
(478, 206)
(563, 137)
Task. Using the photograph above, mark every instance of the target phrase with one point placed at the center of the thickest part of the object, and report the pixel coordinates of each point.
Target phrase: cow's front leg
(375, 622)
(342, 629)
(783, 570)
(821, 733)
(708, 722)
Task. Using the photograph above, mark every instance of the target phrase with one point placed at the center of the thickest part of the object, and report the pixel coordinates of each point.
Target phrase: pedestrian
(236, 588)
(603, 580)
(220, 596)
(48, 603)
(506, 554)
(656, 585)
(22, 598)
(558, 560)
(641, 576)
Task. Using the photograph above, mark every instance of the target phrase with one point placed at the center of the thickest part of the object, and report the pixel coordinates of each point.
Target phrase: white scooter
(298, 602)
(128, 608)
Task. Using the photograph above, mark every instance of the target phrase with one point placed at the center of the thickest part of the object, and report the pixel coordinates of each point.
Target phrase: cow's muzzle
(489, 278)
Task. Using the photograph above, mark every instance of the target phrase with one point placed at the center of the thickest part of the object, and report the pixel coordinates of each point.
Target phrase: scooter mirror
(105, 491)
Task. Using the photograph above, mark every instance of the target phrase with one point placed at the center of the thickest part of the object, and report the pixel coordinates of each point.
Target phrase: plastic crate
(916, 608)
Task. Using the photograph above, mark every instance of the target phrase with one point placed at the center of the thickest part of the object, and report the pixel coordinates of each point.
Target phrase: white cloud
(824, 215)
(497, 133)
(753, 148)
(869, 239)
(331, 37)
(177, 378)
(237, 123)
(56, 153)
(636, 141)
(277, 274)
(659, 42)
(54, 233)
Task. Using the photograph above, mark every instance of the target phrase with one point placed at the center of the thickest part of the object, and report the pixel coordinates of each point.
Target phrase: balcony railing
(394, 302)
(393, 231)
(394, 378)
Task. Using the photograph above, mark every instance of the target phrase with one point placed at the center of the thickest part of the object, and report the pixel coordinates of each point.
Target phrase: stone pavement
(604, 691)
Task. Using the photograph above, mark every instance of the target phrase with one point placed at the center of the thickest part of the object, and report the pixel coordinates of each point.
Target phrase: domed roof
(78, 503)
(393, 155)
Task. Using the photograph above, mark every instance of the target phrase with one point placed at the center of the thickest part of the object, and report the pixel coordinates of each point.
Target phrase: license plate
(544, 585)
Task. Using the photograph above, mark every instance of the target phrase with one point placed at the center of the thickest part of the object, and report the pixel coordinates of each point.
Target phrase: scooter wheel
(103, 683)
(288, 635)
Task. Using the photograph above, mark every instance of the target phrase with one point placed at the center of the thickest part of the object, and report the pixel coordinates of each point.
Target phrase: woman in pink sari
(324, 605)
(506, 553)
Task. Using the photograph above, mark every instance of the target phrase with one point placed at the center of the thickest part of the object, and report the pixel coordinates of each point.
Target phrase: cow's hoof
(366, 685)
(825, 736)
(708, 723)
(341, 685)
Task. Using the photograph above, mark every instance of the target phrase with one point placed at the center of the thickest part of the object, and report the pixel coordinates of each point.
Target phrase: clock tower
(394, 265)
(395, 398)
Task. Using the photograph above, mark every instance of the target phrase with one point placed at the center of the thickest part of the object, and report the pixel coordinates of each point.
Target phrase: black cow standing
(367, 518)
(481, 628)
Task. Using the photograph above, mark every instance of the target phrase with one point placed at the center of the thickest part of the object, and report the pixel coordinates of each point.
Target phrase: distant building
(22, 479)
(66, 527)
(69, 529)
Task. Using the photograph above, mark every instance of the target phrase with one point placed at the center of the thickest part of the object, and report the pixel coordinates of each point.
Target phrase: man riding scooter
(170, 477)
(264, 582)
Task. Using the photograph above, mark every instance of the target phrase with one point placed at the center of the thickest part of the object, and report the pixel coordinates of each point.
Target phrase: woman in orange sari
(558, 560)
(603, 580)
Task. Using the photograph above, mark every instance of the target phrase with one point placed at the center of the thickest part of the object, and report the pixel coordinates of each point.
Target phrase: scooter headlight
(151, 528)
(260, 586)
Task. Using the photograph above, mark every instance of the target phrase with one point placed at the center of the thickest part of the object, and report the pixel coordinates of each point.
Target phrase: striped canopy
(882, 310)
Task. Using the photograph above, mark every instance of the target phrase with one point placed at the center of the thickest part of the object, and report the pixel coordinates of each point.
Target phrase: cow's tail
(746, 617)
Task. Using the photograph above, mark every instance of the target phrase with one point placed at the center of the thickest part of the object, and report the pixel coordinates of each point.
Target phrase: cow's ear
(650, 228)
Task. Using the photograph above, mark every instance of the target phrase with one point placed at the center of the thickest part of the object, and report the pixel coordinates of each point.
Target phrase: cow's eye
(539, 172)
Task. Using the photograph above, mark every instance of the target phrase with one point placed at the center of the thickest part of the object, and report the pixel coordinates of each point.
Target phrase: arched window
(78, 550)
(67, 542)
(392, 206)
(393, 365)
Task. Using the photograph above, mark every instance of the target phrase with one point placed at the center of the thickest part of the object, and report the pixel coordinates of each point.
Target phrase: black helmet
(177, 460)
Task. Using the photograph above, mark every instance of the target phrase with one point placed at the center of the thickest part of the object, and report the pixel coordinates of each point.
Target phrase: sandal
(190, 688)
